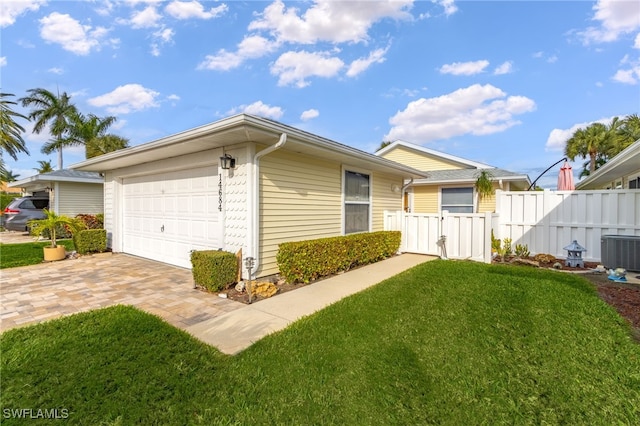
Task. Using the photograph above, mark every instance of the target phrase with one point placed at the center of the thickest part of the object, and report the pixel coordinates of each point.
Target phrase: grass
(443, 343)
(24, 254)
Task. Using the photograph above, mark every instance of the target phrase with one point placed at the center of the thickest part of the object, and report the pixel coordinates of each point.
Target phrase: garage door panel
(184, 202)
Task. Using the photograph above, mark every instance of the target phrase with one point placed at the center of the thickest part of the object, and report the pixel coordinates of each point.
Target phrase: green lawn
(447, 342)
(12, 255)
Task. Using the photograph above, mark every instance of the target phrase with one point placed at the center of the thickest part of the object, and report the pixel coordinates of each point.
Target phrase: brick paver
(37, 293)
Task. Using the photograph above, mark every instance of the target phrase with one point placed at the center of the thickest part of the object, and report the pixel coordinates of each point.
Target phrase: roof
(471, 175)
(433, 152)
(626, 162)
(238, 129)
(65, 175)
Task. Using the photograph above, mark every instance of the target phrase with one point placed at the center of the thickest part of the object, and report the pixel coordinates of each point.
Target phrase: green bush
(90, 241)
(5, 199)
(214, 270)
(303, 261)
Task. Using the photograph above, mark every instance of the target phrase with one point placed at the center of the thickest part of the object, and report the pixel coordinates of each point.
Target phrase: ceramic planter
(54, 253)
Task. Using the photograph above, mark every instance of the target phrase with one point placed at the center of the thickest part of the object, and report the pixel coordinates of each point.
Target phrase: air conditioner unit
(621, 251)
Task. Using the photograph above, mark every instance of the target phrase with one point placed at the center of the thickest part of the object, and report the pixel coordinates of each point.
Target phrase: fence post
(487, 237)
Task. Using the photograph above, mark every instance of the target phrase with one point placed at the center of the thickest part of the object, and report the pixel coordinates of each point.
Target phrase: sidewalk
(235, 331)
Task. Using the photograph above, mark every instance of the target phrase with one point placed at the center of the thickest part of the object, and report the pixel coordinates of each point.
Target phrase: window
(457, 200)
(357, 202)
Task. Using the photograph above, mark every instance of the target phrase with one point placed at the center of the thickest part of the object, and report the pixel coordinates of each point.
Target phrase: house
(71, 192)
(620, 172)
(450, 184)
(242, 183)
(6, 190)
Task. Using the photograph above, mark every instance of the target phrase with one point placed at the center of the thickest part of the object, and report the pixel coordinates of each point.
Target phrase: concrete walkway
(37, 293)
(240, 328)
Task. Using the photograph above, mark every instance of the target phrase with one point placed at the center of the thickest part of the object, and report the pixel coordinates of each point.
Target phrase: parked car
(21, 210)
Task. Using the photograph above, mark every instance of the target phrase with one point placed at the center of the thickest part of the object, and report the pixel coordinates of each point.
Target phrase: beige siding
(300, 199)
(385, 198)
(77, 198)
(425, 199)
(419, 160)
(488, 203)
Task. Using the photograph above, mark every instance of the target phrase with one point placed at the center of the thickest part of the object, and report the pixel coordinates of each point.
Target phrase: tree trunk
(60, 158)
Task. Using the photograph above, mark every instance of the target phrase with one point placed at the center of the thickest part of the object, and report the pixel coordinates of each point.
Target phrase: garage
(167, 215)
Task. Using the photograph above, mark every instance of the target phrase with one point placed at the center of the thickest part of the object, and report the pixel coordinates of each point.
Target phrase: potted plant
(50, 225)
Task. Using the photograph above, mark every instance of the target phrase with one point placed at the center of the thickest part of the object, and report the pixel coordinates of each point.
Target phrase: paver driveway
(37, 293)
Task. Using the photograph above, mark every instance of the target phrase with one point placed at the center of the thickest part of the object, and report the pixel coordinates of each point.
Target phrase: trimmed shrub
(214, 270)
(90, 241)
(303, 261)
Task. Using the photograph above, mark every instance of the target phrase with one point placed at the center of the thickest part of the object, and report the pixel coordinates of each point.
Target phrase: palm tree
(629, 132)
(105, 144)
(45, 167)
(484, 185)
(11, 140)
(54, 110)
(590, 142)
(91, 131)
(8, 176)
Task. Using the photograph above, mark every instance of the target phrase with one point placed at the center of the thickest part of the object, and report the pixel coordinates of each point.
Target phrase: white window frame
(473, 196)
(344, 170)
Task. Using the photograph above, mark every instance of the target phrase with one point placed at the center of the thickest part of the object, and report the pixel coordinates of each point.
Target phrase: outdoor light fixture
(227, 162)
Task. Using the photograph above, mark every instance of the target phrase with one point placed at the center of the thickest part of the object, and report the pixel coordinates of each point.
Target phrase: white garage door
(167, 215)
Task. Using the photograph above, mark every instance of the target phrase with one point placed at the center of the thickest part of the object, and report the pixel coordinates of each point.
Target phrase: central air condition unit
(621, 251)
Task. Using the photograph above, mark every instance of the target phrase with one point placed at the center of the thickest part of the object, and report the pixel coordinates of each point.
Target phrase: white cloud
(449, 6)
(173, 97)
(293, 68)
(162, 37)
(11, 10)
(628, 76)
(464, 68)
(327, 20)
(56, 70)
(3, 61)
(253, 46)
(614, 18)
(259, 108)
(146, 18)
(309, 114)
(70, 34)
(476, 110)
(360, 65)
(558, 137)
(193, 9)
(126, 99)
(505, 68)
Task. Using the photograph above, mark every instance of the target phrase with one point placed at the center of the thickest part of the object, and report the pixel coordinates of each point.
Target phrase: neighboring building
(165, 198)
(621, 172)
(450, 184)
(71, 192)
(5, 189)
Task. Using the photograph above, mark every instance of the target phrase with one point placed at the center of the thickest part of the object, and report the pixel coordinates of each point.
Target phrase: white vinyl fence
(546, 221)
(466, 235)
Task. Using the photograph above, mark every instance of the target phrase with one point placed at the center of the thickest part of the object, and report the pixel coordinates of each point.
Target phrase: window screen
(356, 202)
(457, 200)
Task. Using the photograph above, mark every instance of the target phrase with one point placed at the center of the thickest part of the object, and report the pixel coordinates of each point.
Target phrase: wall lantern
(227, 162)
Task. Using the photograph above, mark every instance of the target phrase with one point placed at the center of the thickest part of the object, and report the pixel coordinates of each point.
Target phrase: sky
(504, 83)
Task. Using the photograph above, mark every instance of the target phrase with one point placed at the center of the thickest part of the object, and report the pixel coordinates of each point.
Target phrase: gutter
(254, 249)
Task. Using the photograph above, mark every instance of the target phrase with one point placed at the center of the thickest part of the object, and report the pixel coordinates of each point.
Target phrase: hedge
(214, 270)
(304, 261)
(90, 241)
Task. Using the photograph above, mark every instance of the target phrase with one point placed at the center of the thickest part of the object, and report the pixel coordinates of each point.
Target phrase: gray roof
(457, 175)
(64, 175)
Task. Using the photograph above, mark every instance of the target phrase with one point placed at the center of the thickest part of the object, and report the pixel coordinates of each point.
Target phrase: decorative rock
(240, 286)
(526, 262)
(263, 289)
(557, 265)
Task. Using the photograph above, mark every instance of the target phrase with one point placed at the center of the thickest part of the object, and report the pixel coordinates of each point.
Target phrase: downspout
(255, 211)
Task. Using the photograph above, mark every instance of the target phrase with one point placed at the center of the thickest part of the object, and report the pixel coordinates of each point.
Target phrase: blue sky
(501, 82)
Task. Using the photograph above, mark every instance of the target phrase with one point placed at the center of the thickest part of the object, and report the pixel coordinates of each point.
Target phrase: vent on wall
(621, 251)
